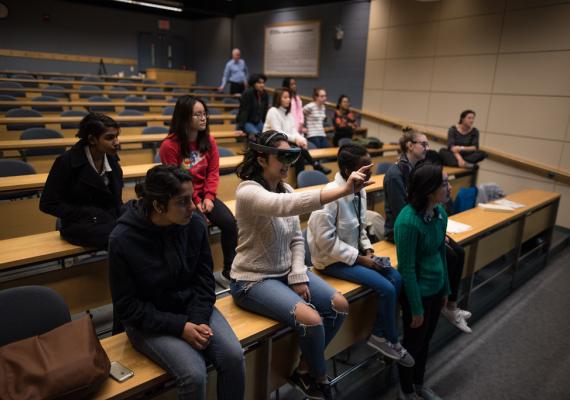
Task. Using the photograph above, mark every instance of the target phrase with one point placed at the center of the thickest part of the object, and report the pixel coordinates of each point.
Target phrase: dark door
(158, 50)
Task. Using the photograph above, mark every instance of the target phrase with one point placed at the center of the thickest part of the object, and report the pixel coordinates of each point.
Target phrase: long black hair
(250, 169)
(425, 179)
(180, 125)
(340, 98)
(95, 124)
(162, 182)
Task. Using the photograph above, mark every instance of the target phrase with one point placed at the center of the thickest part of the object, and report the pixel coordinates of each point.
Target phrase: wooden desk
(68, 142)
(119, 118)
(69, 104)
(133, 84)
(71, 75)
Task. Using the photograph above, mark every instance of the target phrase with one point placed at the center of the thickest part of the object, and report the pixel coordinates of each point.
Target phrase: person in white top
(340, 248)
(279, 118)
(315, 116)
(296, 104)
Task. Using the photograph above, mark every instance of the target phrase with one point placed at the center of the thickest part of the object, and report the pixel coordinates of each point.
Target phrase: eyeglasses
(425, 145)
(200, 115)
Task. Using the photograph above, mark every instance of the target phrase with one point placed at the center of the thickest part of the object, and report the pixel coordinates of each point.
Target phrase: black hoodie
(161, 277)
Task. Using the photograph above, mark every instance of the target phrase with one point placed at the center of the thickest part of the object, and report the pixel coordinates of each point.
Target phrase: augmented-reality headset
(286, 156)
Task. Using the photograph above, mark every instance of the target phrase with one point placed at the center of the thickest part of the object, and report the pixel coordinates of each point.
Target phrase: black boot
(319, 167)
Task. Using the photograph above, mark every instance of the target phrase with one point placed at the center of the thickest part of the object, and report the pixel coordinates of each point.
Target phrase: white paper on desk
(457, 227)
(508, 203)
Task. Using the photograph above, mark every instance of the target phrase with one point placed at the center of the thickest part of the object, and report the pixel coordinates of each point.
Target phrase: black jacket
(77, 195)
(395, 193)
(252, 109)
(161, 277)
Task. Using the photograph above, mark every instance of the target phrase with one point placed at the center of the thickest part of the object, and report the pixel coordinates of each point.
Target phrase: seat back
(12, 85)
(25, 77)
(117, 92)
(28, 311)
(150, 96)
(11, 167)
(72, 113)
(136, 99)
(88, 88)
(344, 141)
(311, 178)
(383, 167)
(7, 97)
(51, 99)
(100, 99)
(130, 112)
(23, 113)
(55, 91)
(41, 133)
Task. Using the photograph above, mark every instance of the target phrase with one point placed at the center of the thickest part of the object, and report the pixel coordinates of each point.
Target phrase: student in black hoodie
(163, 287)
(85, 184)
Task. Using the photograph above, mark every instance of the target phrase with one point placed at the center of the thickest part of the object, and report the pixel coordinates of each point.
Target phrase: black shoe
(306, 385)
(226, 274)
(326, 390)
(320, 167)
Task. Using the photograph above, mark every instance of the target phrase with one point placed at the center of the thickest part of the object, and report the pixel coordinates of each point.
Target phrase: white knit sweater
(277, 120)
(270, 242)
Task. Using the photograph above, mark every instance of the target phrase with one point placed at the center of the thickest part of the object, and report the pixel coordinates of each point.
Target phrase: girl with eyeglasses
(190, 146)
(162, 286)
(419, 234)
(340, 248)
(269, 275)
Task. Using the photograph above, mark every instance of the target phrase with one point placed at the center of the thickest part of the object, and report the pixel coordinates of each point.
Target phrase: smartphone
(119, 372)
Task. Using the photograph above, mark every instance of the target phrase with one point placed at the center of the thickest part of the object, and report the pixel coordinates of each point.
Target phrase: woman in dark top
(344, 120)
(463, 143)
(84, 185)
(163, 287)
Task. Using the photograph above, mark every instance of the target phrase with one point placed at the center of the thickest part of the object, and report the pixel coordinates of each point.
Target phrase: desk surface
(56, 119)
(113, 102)
(45, 91)
(124, 139)
(37, 181)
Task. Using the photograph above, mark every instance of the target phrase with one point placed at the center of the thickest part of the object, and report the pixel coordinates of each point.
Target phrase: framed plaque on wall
(292, 49)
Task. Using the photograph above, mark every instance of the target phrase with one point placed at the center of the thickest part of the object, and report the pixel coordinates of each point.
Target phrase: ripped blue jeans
(274, 298)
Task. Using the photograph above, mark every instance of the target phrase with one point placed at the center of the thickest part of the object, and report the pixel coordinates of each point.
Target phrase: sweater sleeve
(272, 121)
(130, 308)
(406, 238)
(256, 200)
(213, 172)
(447, 288)
(169, 152)
(298, 272)
(201, 306)
(324, 236)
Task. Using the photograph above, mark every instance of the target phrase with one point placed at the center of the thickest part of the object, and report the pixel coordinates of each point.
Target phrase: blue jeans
(274, 298)
(320, 141)
(386, 283)
(188, 365)
(253, 129)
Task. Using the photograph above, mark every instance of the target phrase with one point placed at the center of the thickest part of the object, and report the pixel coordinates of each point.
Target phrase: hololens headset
(286, 156)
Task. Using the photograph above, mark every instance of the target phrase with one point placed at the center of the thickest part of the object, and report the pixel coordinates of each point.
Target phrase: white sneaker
(456, 319)
(465, 314)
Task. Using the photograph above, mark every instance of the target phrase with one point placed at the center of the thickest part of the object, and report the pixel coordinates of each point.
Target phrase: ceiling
(200, 9)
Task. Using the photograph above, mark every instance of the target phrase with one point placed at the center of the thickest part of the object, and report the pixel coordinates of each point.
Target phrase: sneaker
(383, 346)
(408, 396)
(326, 390)
(456, 319)
(427, 394)
(406, 359)
(306, 385)
(465, 314)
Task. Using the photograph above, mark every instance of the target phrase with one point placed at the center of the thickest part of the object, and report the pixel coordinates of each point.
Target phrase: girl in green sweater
(419, 234)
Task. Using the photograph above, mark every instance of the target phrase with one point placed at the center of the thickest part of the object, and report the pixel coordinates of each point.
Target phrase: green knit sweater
(421, 255)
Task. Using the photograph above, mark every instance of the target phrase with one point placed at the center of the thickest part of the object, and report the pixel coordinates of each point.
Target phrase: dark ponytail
(425, 179)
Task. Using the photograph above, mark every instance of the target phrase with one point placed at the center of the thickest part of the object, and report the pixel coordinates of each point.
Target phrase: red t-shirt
(204, 167)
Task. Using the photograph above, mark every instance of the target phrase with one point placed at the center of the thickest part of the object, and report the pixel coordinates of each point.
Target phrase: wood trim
(66, 57)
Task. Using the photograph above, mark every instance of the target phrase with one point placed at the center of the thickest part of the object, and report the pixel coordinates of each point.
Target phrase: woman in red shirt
(190, 146)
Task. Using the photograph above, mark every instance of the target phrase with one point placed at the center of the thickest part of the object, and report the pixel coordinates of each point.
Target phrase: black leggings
(455, 256)
(472, 157)
(222, 217)
(416, 340)
(305, 158)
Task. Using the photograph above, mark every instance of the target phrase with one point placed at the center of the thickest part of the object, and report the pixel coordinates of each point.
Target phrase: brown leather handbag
(67, 362)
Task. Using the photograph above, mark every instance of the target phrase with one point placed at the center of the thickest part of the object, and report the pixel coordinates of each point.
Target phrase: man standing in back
(235, 73)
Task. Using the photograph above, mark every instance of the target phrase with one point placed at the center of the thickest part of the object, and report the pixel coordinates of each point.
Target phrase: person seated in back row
(315, 116)
(463, 143)
(340, 248)
(253, 106)
(279, 118)
(344, 120)
(84, 186)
